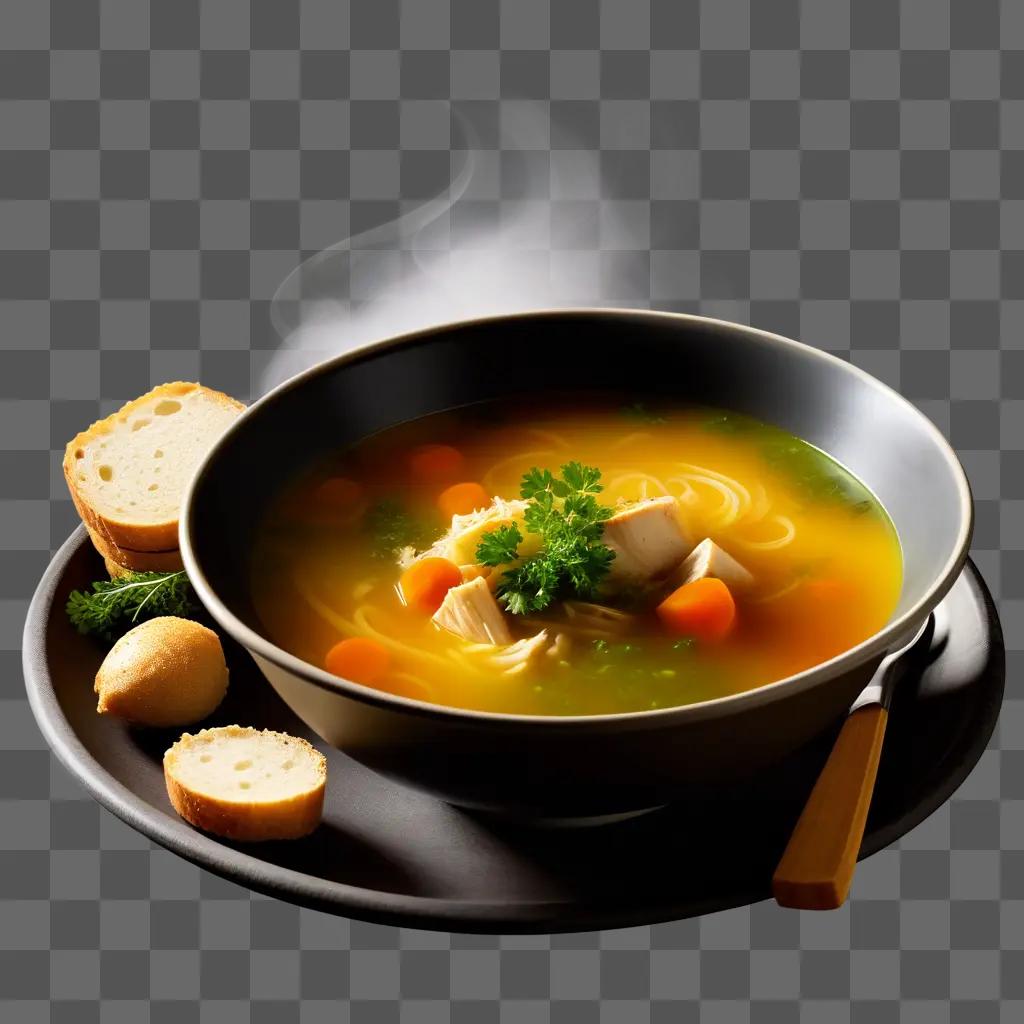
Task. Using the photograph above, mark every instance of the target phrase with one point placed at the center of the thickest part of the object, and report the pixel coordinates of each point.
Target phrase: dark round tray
(388, 854)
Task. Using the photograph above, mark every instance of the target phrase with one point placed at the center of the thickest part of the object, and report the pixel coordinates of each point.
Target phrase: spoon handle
(817, 868)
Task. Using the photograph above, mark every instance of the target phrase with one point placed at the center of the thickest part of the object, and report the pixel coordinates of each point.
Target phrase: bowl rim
(875, 645)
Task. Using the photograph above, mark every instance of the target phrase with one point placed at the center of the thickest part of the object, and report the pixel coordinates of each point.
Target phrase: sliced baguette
(246, 784)
(127, 473)
(134, 561)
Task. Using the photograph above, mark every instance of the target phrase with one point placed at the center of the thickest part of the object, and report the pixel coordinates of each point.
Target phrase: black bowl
(600, 765)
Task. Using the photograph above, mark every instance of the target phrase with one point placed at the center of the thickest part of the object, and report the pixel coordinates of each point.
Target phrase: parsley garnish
(392, 528)
(500, 546)
(114, 604)
(566, 514)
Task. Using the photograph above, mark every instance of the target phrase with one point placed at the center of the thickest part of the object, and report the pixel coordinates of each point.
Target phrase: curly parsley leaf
(581, 479)
(500, 546)
(536, 482)
(112, 605)
(530, 587)
(566, 514)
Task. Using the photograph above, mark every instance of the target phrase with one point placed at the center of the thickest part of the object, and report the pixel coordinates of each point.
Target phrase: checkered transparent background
(851, 174)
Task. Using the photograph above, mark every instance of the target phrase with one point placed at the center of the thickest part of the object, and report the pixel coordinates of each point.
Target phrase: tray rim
(402, 909)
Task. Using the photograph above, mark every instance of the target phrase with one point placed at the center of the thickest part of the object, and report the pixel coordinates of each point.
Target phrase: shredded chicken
(708, 559)
(585, 620)
(471, 611)
(519, 656)
(459, 544)
(647, 539)
(526, 654)
(561, 647)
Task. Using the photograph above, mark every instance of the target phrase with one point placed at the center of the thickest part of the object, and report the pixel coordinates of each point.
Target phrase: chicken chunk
(647, 539)
(471, 611)
(708, 559)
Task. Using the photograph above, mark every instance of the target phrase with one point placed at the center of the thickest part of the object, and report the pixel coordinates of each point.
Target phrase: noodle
(728, 512)
(620, 482)
(688, 496)
(735, 486)
(761, 505)
(789, 532)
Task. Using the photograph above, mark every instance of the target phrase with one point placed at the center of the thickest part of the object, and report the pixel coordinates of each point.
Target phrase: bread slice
(127, 473)
(134, 561)
(246, 784)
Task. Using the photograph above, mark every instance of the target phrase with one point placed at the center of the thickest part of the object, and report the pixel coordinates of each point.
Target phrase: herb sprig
(565, 512)
(115, 604)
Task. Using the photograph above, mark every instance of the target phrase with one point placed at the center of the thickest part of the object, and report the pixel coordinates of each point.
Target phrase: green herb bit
(565, 513)
(115, 604)
(530, 587)
(685, 643)
(392, 528)
(642, 413)
(499, 546)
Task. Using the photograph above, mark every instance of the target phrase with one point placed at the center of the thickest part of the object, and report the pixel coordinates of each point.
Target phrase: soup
(574, 560)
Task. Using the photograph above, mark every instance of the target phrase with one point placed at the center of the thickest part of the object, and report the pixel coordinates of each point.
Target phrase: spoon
(817, 867)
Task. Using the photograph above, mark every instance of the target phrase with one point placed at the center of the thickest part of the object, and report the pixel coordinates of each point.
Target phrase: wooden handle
(817, 868)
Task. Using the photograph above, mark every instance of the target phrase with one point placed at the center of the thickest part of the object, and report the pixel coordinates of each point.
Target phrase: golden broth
(824, 555)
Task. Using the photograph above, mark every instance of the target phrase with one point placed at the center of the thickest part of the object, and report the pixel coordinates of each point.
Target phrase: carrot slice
(359, 658)
(703, 609)
(425, 583)
(461, 499)
(436, 463)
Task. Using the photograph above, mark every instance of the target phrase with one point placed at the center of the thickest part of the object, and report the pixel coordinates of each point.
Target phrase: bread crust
(136, 537)
(290, 818)
(163, 672)
(120, 561)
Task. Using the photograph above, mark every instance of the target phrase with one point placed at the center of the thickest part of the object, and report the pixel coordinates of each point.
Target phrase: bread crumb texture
(165, 671)
(127, 473)
(245, 783)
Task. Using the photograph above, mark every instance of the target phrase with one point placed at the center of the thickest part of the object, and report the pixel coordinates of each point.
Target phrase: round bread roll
(247, 784)
(165, 671)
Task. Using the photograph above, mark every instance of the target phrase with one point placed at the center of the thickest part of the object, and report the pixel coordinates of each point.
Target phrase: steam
(557, 243)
